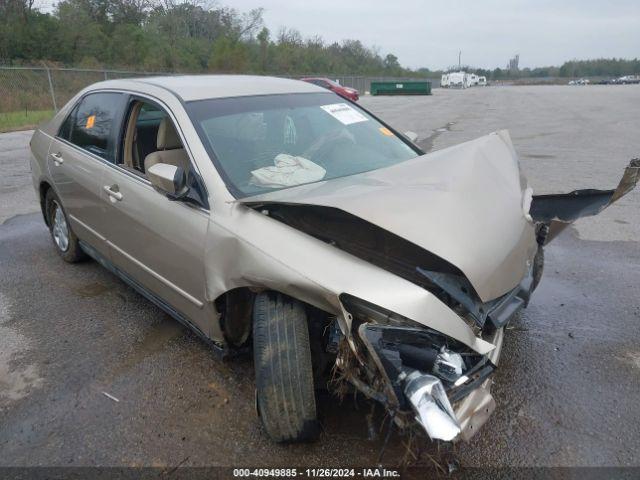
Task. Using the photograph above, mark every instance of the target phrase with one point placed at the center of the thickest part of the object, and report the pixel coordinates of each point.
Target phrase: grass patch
(23, 120)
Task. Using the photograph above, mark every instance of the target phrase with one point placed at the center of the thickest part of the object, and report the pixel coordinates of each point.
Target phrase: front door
(157, 242)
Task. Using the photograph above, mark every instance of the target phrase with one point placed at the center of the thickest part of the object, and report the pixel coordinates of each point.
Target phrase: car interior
(248, 141)
(151, 138)
(254, 139)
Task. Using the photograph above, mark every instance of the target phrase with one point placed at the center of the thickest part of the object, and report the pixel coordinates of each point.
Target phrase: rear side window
(93, 124)
(67, 125)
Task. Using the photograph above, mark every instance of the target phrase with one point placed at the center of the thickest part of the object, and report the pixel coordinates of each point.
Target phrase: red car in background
(346, 92)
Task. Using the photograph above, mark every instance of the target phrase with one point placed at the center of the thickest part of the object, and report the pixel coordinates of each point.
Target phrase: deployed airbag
(288, 171)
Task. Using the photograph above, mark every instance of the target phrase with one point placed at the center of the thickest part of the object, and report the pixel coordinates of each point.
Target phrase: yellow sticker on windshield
(386, 131)
(91, 121)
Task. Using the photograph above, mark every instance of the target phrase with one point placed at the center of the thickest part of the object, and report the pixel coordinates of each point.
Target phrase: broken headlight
(423, 370)
(426, 371)
(442, 362)
(418, 346)
(431, 406)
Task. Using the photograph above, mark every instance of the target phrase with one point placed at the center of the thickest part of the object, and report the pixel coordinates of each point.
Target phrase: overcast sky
(489, 32)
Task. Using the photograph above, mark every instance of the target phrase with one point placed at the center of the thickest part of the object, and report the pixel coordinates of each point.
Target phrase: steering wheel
(322, 147)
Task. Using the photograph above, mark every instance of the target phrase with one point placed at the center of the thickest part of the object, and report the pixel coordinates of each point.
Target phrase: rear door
(77, 160)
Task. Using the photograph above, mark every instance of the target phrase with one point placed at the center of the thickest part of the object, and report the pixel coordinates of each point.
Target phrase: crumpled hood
(465, 204)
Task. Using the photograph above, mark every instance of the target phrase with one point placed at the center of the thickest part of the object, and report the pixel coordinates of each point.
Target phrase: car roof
(200, 87)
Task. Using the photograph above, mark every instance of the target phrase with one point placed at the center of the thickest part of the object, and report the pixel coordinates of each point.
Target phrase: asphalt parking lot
(567, 387)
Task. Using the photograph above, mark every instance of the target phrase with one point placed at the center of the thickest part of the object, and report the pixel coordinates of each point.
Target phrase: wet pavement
(92, 374)
(76, 332)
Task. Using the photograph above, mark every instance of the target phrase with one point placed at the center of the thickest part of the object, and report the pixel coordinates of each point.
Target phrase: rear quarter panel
(41, 142)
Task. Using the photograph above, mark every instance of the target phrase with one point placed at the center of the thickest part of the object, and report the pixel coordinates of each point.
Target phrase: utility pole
(459, 64)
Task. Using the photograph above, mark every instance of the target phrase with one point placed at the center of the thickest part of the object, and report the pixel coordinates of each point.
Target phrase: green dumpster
(400, 88)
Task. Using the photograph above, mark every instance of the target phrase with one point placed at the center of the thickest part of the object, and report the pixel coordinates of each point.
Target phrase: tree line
(174, 35)
(198, 36)
(602, 67)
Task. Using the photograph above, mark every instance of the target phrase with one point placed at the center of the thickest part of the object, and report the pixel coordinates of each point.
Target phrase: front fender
(248, 249)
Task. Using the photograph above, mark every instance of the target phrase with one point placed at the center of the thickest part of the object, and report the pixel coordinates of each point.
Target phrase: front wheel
(284, 374)
(64, 239)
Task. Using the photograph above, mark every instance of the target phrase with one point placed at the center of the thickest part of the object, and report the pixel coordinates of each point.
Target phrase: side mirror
(169, 179)
(412, 136)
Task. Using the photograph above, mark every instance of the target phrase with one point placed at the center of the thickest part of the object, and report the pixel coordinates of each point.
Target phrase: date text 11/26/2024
(376, 472)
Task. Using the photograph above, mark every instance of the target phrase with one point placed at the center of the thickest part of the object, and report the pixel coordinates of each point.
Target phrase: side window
(150, 138)
(65, 128)
(94, 124)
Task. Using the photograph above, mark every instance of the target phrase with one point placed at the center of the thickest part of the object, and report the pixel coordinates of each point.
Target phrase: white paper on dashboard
(345, 113)
(288, 171)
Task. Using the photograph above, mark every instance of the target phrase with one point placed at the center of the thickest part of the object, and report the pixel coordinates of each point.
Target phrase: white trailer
(482, 81)
(458, 80)
(444, 81)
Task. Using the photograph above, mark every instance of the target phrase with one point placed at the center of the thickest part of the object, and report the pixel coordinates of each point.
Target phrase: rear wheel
(64, 239)
(284, 374)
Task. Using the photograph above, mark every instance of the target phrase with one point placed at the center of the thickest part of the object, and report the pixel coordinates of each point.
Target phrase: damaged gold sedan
(272, 214)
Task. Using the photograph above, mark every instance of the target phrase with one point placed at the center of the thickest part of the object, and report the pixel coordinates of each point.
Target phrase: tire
(57, 220)
(284, 373)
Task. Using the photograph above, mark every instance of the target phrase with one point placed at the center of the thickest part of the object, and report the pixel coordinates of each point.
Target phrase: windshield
(269, 142)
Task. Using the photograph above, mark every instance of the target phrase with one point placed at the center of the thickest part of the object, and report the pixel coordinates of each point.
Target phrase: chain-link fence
(29, 95)
(24, 89)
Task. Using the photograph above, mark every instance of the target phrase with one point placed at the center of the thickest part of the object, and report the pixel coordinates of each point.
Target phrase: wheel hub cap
(60, 229)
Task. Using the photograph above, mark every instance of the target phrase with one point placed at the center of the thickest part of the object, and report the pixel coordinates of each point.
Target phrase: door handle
(113, 194)
(57, 159)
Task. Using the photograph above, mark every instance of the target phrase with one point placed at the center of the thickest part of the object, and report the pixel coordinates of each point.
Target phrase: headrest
(168, 138)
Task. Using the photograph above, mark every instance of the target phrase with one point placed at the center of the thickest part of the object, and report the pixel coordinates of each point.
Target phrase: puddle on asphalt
(91, 290)
(158, 336)
(16, 379)
(539, 156)
(534, 136)
(427, 143)
(633, 358)
(155, 339)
